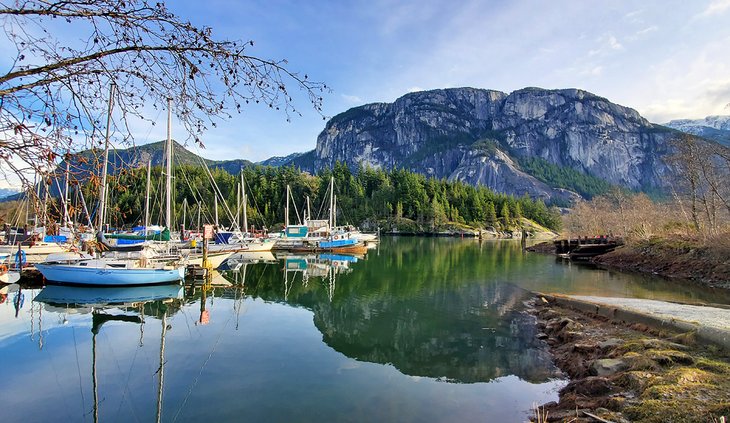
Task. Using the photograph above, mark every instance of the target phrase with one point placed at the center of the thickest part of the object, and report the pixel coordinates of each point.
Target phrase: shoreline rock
(623, 373)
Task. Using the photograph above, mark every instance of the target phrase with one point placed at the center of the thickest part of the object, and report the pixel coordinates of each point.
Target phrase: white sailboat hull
(109, 276)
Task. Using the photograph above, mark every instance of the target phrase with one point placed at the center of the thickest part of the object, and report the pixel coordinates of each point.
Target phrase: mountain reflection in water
(475, 334)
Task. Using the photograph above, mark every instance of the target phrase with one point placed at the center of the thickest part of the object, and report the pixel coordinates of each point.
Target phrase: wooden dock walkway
(584, 248)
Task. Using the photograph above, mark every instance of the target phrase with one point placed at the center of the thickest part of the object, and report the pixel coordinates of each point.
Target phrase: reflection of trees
(442, 313)
(449, 336)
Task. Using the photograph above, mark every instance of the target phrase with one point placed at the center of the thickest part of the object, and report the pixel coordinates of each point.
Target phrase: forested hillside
(367, 197)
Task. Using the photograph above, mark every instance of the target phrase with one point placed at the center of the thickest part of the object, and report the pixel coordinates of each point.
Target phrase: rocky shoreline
(623, 373)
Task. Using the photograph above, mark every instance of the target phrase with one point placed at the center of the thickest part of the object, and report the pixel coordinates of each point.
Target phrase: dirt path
(711, 324)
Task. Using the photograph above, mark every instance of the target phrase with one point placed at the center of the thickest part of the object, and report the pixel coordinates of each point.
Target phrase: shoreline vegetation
(668, 238)
(696, 261)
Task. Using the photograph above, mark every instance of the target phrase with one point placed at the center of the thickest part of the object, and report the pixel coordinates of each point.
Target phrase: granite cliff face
(482, 136)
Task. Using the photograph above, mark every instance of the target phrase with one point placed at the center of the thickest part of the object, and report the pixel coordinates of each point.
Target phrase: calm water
(422, 329)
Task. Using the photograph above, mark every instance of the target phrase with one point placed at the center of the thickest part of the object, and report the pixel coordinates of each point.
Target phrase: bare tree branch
(68, 52)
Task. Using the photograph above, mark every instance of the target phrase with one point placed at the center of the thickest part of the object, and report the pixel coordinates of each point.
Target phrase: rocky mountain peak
(437, 133)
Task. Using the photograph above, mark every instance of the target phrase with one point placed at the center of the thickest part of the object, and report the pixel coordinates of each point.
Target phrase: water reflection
(448, 309)
(104, 304)
(473, 334)
(304, 338)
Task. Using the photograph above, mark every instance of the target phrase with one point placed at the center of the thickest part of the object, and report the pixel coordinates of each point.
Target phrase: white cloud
(613, 43)
(647, 30)
(351, 99)
(414, 89)
(708, 98)
(717, 7)
(634, 16)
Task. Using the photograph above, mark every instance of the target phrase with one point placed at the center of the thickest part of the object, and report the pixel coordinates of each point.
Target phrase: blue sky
(666, 59)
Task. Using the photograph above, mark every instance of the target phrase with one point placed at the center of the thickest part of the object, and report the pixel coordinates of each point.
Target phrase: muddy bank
(702, 264)
(633, 373)
(666, 258)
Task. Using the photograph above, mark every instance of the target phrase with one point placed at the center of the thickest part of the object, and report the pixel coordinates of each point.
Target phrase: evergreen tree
(504, 215)
(517, 212)
(439, 214)
(491, 220)
(371, 195)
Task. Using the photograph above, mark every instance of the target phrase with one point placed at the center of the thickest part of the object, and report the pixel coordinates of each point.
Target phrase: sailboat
(241, 240)
(341, 242)
(29, 245)
(139, 269)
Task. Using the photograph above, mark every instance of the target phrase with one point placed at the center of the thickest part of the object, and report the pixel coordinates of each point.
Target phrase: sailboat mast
(238, 205)
(102, 194)
(215, 204)
(286, 215)
(245, 205)
(199, 217)
(168, 176)
(309, 211)
(332, 199)
(147, 198)
(36, 201)
(334, 212)
(86, 209)
(45, 206)
(66, 219)
(185, 210)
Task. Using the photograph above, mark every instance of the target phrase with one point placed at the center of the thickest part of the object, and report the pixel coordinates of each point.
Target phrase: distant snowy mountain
(277, 161)
(716, 128)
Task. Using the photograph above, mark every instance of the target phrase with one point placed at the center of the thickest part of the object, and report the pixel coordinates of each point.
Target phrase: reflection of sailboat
(103, 298)
(106, 296)
(325, 266)
(235, 261)
(6, 274)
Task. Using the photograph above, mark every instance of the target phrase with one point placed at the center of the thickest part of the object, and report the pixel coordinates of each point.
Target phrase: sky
(666, 59)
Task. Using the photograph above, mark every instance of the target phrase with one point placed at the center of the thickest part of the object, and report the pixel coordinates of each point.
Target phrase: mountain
(88, 162)
(716, 128)
(138, 156)
(546, 143)
(277, 161)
